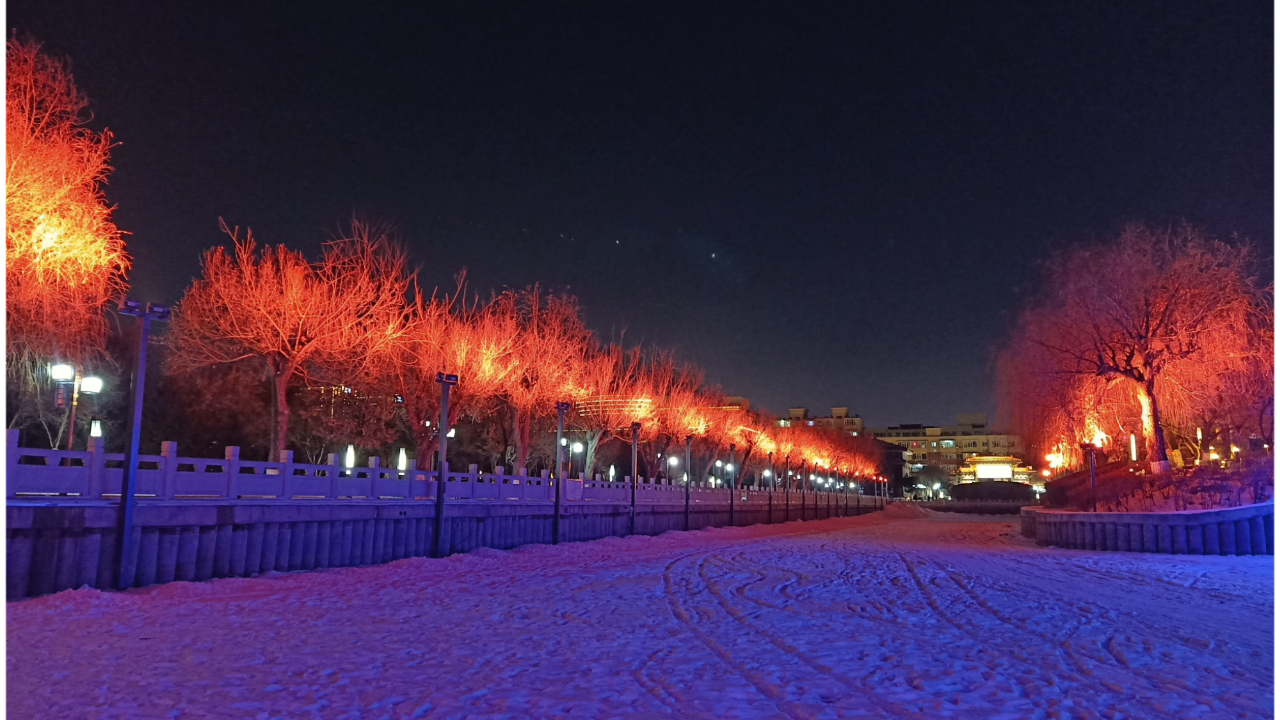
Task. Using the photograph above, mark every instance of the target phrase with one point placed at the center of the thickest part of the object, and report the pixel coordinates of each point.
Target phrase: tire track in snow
(864, 690)
(761, 684)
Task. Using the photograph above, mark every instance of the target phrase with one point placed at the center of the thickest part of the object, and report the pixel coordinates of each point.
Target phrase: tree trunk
(589, 460)
(521, 426)
(279, 415)
(1152, 431)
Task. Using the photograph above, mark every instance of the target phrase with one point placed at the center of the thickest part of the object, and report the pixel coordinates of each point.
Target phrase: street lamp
(67, 377)
(447, 381)
(128, 491)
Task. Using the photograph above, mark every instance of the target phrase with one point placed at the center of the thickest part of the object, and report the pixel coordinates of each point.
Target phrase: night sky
(819, 204)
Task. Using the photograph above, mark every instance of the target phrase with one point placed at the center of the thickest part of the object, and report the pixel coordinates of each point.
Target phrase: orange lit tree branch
(295, 318)
(64, 257)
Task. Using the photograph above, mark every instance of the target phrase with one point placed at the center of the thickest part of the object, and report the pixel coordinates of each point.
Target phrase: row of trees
(1163, 333)
(344, 349)
(357, 329)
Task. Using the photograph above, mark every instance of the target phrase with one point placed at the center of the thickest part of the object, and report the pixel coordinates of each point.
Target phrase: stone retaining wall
(1247, 530)
(57, 547)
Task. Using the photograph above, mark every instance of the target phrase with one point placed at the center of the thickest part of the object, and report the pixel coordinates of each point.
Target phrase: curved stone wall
(1247, 530)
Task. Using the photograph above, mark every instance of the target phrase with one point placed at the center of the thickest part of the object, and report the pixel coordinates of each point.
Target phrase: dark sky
(819, 204)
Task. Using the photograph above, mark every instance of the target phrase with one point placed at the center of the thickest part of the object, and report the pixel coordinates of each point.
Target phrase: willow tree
(327, 321)
(1134, 322)
(64, 257)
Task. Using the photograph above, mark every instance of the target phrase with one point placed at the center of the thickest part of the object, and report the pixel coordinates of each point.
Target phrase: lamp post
(128, 549)
(773, 481)
(733, 482)
(442, 478)
(635, 471)
(1089, 450)
(688, 481)
(804, 480)
(786, 488)
(561, 409)
(64, 376)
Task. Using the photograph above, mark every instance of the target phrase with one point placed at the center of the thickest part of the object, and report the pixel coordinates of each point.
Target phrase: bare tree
(298, 320)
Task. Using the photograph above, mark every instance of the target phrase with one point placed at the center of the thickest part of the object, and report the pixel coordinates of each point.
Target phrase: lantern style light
(673, 460)
(351, 456)
(95, 429)
(403, 463)
(62, 372)
(91, 385)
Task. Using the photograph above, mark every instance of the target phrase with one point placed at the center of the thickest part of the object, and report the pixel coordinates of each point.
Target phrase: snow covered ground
(878, 616)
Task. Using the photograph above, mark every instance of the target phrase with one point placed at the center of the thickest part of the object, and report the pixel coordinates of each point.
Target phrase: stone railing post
(169, 484)
(375, 470)
(232, 454)
(286, 477)
(97, 467)
(473, 472)
(332, 462)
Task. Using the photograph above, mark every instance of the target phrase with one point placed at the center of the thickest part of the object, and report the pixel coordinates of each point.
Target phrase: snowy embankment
(878, 616)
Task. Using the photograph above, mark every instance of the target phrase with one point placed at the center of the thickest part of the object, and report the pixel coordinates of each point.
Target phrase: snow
(906, 613)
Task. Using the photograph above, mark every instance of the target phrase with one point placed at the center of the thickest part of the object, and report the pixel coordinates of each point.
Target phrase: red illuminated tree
(64, 256)
(327, 321)
(1123, 336)
(548, 358)
(453, 336)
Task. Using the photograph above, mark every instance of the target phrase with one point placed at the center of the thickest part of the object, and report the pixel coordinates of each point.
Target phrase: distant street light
(673, 461)
(577, 447)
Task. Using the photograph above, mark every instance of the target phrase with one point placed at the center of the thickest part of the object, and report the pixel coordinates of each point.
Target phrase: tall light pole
(688, 479)
(128, 492)
(1090, 449)
(733, 481)
(786, 488)
(804, 479)
(561, 409)
(773, 482)
(442, 478)
(635, 471)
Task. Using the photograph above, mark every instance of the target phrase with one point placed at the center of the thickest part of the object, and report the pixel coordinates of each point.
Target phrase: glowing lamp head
(351, 456)
(95, 429)
(91, 385)
(1045, 473)
(673, 461)
(719, 464)
(729, 467)
(577, 447)
(62, 372)
(564, 442)
(453, 432)
(403, 462)
(937, 486)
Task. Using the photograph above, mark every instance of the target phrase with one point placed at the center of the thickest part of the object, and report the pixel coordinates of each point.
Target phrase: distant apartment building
(838, 420)
(949, 446)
